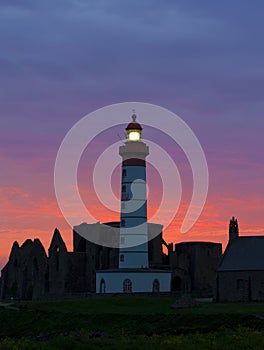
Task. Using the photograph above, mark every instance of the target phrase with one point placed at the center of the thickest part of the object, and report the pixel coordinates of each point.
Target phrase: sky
(62, 59)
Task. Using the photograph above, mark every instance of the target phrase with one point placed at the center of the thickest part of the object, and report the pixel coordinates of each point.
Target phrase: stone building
(193, 265)
(30, 273)
(240, 275)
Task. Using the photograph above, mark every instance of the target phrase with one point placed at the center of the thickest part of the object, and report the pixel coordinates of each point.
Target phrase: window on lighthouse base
(127, 286)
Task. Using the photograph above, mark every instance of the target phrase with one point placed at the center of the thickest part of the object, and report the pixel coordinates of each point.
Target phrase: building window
(241, 283)
(156, 285)
(127, 286)
(122, 240)
(123, 188)
(122, 258)
(124, 172)
(102, 286)
(123, 223)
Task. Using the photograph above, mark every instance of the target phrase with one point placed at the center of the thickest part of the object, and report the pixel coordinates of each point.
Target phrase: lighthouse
(133, 274)
(133, 250)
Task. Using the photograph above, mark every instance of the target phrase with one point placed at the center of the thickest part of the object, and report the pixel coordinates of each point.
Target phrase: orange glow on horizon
(31, 220)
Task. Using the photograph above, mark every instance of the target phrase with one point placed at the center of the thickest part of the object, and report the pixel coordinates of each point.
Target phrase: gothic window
(124, 172)
(102, 286)
(156, 285)
(127, 286)
(122, 258)
(124, 188)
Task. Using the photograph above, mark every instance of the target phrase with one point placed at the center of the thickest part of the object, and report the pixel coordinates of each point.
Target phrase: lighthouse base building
(133, 281)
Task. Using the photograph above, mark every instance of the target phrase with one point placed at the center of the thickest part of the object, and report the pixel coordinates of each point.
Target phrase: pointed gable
(57, 242)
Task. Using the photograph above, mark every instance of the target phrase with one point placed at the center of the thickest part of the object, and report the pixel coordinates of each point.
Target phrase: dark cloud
(59, 56)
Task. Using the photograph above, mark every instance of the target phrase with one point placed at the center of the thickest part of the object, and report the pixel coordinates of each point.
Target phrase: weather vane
(134, 115)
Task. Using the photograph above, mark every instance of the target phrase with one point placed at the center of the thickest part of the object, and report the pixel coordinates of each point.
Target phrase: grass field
(131, 323)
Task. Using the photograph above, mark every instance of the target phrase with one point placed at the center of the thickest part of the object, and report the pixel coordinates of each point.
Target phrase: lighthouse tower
(133, 251)
(133, 274)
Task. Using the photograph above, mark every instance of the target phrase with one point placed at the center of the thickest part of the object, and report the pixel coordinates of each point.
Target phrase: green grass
(242, 340)
(131, 323)
(140, 306)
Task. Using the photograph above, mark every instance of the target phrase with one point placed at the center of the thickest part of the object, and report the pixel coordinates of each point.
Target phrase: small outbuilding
(240, 275)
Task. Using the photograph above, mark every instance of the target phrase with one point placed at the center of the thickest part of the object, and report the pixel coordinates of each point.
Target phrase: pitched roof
(244, 253)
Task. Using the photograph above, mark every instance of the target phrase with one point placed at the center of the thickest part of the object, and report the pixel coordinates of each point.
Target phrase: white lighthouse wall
(134, 260)
(140, 227)
(141, 281)
(133, 242)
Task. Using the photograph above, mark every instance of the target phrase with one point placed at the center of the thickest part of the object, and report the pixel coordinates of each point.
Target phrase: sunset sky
(61, 59)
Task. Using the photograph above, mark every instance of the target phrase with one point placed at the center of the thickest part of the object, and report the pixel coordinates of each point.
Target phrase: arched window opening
(156, 285)
(127, 286)
(102, 286)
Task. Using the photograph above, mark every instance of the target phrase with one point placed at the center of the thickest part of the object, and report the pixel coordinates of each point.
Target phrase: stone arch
(176, 284)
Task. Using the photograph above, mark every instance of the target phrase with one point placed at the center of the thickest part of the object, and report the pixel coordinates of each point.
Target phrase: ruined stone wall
(31, 274)
(198, 261)
(25, 276)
